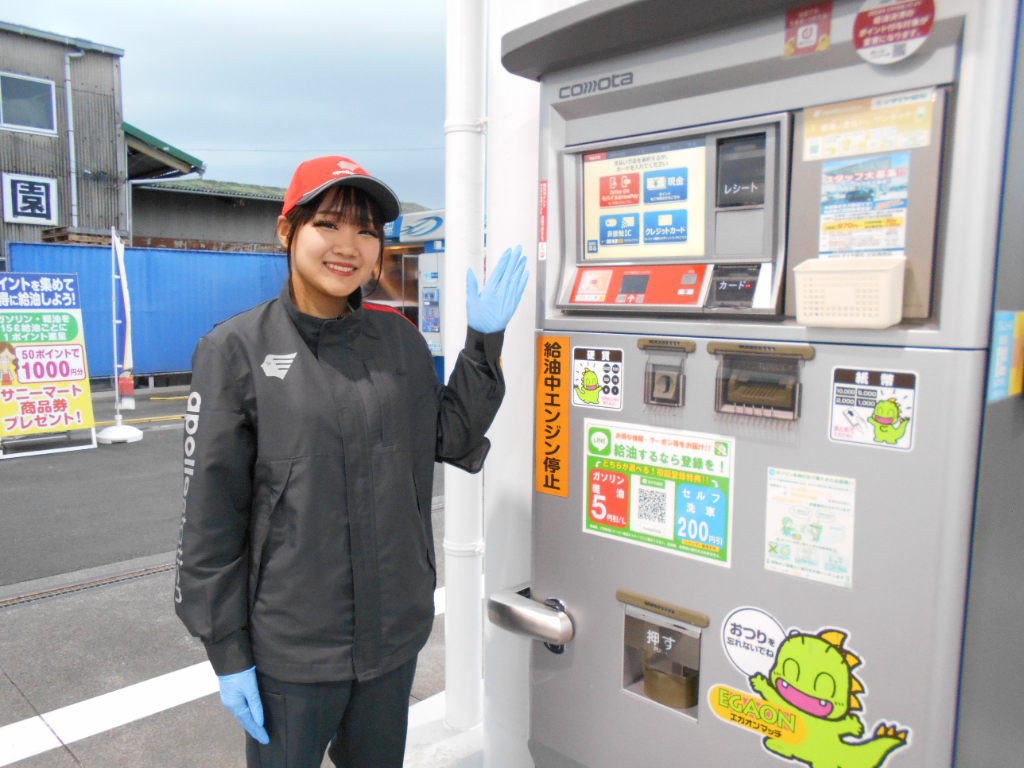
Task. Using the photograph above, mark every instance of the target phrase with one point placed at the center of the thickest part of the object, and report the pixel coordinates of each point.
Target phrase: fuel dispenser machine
(765, 277)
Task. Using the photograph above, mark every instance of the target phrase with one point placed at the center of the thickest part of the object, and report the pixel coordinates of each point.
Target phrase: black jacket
(306, 544)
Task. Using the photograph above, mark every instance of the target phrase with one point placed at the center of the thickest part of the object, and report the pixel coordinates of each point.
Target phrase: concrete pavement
(84, 517)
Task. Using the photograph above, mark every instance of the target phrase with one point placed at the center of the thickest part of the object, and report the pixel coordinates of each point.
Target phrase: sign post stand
(119, 432)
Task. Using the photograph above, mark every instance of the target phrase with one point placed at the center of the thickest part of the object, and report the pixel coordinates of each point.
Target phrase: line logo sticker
(278, 365)
(597, 378)
(805, 698)
(873, 408)
(659, 488)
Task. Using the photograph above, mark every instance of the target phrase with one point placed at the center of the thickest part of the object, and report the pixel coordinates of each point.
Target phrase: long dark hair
(345, 204)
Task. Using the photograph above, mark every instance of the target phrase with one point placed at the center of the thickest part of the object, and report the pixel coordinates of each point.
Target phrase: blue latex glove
(241, 697)
(490, 310)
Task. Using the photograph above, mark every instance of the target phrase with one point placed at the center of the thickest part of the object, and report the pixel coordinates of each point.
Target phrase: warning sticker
(809, 526)
(660, 488)
(873, 408)
(597, 378)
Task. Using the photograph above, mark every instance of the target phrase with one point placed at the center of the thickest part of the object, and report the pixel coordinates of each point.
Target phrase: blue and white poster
(864, 206)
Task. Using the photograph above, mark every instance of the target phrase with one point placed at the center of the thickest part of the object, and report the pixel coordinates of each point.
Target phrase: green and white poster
(662, 488)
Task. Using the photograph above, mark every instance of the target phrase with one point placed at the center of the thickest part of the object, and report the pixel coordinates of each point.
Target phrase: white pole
(113, 310)
(72, 165)
(464, 248)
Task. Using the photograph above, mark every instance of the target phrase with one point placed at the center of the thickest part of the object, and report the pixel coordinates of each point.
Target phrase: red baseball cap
(314, 176)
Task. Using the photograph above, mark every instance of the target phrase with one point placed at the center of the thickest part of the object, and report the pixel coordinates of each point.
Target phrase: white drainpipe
(465, 144)
(72, 166)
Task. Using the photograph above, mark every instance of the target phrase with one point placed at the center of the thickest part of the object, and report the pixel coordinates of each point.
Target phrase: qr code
(899, 49)
(652, 506)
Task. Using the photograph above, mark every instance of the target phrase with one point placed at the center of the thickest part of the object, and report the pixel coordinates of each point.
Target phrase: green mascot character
(590, 390)
(813, 675)
(889, 425)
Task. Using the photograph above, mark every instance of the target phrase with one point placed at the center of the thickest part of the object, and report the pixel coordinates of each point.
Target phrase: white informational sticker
(864, 206)
(751, 638)
(661, 488)
(809, 526)
(597, 378)
(873, 408)
(887, 31)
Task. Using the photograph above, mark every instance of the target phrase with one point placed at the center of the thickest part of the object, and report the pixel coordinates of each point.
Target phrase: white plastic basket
(850, 292)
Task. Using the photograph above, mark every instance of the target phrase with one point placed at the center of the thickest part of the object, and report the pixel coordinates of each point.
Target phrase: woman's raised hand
(490, 310)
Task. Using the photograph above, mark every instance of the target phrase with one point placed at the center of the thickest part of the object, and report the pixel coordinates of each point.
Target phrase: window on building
(27, 104)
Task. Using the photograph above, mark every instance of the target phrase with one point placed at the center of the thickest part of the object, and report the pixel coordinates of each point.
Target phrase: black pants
(364, 722)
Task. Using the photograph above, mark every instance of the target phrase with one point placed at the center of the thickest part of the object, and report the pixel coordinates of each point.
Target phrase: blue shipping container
(177, 296)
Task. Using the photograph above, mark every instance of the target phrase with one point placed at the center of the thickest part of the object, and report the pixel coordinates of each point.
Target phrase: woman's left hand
(491, 309)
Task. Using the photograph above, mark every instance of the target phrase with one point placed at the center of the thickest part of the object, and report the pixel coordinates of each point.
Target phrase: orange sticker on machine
(756, 714)
(551, 449)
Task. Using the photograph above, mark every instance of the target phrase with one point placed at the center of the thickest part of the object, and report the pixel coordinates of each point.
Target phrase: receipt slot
(782, 257)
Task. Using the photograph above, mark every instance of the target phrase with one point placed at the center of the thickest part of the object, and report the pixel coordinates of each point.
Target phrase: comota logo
(600, 441)
(593, 86)
(278, 365)
(423, 226)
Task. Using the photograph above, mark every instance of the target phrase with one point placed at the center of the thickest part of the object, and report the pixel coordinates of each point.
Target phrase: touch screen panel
(644, 202)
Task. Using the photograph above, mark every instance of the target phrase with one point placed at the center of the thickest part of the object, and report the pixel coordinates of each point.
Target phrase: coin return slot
(664, 377)
(759, 385)
(662, 660)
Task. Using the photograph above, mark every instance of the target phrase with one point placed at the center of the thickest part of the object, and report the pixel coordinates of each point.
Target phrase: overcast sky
(253, 88)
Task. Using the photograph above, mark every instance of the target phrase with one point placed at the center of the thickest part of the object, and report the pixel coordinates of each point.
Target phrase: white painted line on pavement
(87, 718)
(103, 713)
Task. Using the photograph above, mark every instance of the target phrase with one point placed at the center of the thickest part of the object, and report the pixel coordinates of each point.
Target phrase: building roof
(233, 189)
(218, 189)
(151, 158)
(70, 42)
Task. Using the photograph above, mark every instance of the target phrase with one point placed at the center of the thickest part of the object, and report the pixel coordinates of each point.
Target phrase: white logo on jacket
(278, 365)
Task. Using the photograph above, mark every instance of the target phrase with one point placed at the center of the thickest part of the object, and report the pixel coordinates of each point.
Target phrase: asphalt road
(66, 512)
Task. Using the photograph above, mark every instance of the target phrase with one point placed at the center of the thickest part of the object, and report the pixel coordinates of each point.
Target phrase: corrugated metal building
(34, 134)
(206, 215)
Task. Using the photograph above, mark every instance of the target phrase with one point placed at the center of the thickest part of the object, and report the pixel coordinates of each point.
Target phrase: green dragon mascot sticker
(889, 425)
(809, 703)
(589, 388)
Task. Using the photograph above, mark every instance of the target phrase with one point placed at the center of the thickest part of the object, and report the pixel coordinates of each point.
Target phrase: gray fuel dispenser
(767, 260)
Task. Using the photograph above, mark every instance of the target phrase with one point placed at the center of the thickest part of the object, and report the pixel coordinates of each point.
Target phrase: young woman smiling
(306, 559)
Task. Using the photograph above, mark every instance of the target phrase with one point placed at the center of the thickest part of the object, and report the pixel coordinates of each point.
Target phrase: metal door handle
(515, 610)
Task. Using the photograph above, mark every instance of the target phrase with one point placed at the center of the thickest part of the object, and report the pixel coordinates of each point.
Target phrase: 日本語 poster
(873, 408)
(661, 488)
(809, 526)
(890, 123)
(551, 426)
(864, 206)
(44, 377)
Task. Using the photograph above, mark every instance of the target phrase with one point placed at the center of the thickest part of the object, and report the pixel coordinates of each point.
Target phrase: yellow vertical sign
(44, 377)
(551, 449)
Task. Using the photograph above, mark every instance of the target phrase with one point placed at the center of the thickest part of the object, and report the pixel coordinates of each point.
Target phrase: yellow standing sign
(44, 376)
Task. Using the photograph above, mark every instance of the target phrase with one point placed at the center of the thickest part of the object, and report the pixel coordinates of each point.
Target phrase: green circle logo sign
(600, 441)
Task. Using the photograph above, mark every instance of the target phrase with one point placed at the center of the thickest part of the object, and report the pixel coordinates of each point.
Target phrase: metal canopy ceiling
(601, 29)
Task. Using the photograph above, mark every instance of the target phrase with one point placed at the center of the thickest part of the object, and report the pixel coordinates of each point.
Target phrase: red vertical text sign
(542, 233)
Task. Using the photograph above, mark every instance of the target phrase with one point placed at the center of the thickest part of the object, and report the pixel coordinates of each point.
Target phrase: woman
(8, 364)
(306, 560)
